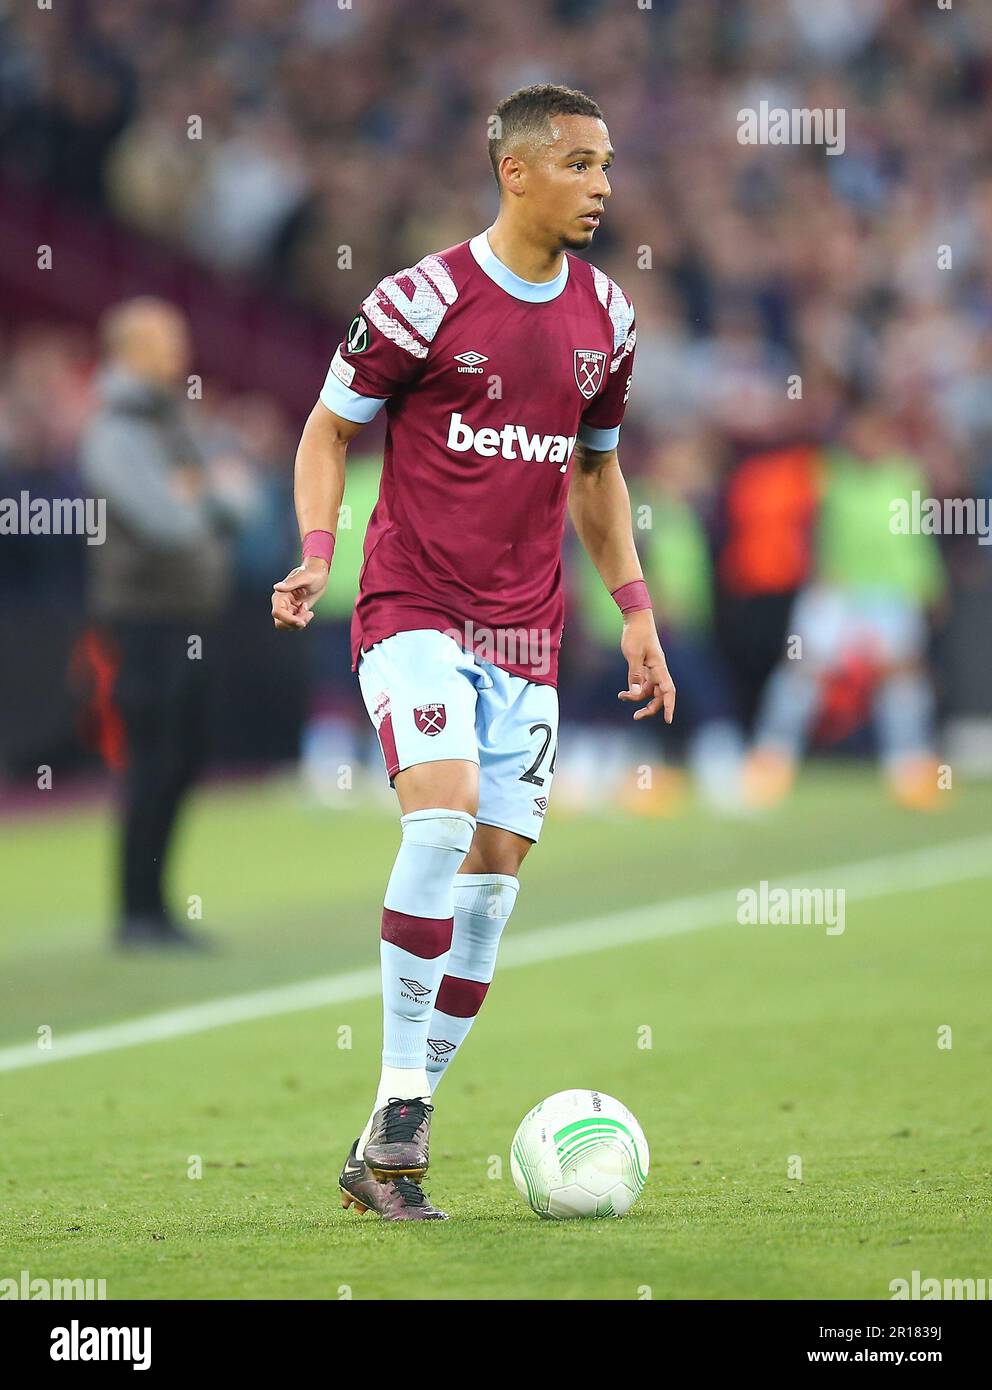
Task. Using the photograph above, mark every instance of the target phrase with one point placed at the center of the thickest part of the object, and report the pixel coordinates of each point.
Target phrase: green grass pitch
(768, 1043)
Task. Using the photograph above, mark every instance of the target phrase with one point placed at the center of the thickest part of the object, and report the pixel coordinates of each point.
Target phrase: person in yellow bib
(869, 597)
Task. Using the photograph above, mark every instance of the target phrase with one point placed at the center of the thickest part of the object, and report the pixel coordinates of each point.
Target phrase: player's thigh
(420, 691)
(452, 784)
(517, 732)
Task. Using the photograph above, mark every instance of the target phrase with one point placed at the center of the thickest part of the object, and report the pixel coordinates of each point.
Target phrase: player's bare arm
(599, 505)
(318, 490)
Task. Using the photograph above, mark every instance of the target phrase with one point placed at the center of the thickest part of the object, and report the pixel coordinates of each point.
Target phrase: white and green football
(579, 1153)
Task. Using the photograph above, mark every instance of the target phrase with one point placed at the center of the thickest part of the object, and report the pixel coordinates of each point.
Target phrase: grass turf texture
(767, 1042)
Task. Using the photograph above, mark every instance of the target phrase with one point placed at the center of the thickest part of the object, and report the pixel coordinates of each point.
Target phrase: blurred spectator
(675, 502)
(301, 143)
(158, 585)
(770, 507)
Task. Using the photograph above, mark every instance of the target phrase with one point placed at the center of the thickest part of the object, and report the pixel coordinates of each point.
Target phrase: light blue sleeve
(348, 403)
(600, 440)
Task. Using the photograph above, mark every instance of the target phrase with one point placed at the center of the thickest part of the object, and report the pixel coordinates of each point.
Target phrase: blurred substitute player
(872, 590)
(504, 367)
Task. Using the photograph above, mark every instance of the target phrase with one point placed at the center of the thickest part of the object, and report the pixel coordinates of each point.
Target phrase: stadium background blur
(340, 144)
(331, 132)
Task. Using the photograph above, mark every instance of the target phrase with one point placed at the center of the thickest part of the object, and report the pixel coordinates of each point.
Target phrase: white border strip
(863, 879)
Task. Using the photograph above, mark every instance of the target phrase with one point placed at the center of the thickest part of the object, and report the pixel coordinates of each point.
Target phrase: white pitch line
(890, 874)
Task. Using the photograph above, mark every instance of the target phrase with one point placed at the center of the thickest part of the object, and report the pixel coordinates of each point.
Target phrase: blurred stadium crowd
(364, 128)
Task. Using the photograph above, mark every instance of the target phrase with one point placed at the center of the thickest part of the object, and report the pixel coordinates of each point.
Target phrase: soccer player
(504, 367)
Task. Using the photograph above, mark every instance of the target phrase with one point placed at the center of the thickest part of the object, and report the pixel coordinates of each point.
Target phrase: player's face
(571, 186)
(164, 347)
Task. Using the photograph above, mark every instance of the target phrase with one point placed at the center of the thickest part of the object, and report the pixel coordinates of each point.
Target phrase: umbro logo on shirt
(471, 362)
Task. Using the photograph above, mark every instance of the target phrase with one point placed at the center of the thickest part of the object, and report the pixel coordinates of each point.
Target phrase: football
(579, 1153)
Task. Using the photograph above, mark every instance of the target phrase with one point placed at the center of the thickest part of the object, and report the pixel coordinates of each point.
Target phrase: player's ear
(512, 174)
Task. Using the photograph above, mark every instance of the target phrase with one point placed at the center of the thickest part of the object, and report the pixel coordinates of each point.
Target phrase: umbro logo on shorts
(541, 802)
(430, 719)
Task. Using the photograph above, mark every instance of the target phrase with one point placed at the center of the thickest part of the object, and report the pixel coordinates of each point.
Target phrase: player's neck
(532, 262)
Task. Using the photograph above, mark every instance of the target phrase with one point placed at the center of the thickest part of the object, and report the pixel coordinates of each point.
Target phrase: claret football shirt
(487, 381)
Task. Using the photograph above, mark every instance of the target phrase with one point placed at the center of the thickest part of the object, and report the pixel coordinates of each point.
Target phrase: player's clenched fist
(648, 677)
(293, 597)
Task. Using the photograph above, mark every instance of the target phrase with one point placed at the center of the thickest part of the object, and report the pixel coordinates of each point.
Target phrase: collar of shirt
(507, 280)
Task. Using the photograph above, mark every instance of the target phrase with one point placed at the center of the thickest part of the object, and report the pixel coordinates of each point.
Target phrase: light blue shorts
(429, 700)
(833, 622)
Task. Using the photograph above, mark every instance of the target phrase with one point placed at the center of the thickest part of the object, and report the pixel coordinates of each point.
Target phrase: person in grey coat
(157, 586)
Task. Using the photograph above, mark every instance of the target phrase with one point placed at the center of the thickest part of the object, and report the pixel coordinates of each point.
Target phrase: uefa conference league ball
(579, 1153)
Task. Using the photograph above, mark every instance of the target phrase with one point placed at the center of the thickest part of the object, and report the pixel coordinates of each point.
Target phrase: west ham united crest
(430, 719)
(589, 369)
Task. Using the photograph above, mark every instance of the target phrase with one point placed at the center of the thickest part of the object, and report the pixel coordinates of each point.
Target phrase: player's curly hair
(526, 115)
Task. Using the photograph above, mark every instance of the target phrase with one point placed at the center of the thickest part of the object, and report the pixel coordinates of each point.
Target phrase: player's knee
(435, 843)
(439, 828)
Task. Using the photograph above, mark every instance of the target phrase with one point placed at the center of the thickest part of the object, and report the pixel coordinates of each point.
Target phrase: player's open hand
(648, 677)
(293, 597)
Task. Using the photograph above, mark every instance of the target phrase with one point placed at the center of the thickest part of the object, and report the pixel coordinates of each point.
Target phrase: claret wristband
(633, 596)
(320, 543)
